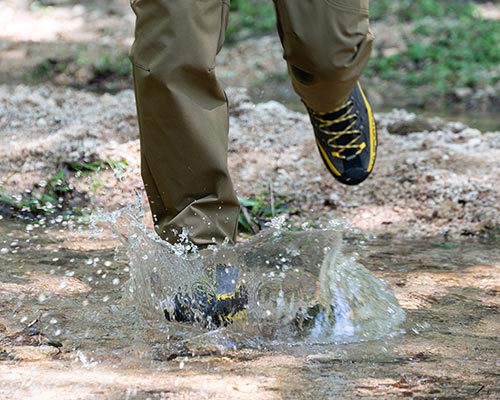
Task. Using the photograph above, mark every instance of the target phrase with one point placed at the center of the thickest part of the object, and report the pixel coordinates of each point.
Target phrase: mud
(448, 349)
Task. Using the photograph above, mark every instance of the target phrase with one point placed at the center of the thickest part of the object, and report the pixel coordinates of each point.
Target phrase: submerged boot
(219, 303)
(346, 138)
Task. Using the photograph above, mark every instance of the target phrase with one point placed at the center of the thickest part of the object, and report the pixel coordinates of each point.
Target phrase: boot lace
(339, 127)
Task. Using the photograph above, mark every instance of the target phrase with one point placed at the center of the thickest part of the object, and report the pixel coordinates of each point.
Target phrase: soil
(68, 281)
(432, 178)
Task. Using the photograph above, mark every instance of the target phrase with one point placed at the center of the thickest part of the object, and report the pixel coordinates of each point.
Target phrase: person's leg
(183, 118)
(327, 44)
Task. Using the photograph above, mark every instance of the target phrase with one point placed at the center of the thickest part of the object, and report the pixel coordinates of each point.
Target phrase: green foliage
(56, 195)
(86, 167)
(258, 211)
(104, 66)
(40, 4)
(413, 10)
(48, 68)
(7, 200)
(454, 48)
(250, 17)
(107, 65)
(45, 200)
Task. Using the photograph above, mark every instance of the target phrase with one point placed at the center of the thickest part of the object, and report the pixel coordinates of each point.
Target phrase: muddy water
(76, 285)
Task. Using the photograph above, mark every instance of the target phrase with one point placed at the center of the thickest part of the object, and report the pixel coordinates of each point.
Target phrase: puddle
(280, 90)
(116, 343)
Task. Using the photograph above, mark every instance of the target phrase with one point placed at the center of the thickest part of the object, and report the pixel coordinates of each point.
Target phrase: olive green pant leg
(183, 118)
(327, 44)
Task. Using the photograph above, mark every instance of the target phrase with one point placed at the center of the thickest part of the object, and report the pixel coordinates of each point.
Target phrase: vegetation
(250, 17)
(446, 45)
(449, 45)
(413, 10)
(95, 166)
(257, 212)
(103, 67)
(107, 65)
(47, 198)
(56, 196)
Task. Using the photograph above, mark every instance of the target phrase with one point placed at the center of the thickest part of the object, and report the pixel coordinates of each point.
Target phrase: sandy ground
(432, 178)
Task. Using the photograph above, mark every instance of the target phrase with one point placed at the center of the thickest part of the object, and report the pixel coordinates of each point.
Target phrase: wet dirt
(449, 349)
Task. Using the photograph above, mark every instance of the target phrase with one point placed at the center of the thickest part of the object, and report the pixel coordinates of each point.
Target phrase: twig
(271, 193)
(248, 218)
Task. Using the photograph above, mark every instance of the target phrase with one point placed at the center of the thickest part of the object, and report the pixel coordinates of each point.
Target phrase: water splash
(301, 287)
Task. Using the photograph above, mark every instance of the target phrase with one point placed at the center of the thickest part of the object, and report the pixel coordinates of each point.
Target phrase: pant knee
(323, 61)
(337, 43)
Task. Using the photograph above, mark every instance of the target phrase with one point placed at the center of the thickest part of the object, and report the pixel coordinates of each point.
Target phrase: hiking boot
(219, 303)
(347, 138)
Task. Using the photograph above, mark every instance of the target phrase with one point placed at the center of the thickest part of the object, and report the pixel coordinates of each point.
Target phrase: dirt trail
(432, 178)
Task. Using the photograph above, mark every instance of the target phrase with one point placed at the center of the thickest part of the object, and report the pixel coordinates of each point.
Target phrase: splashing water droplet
(300, 285)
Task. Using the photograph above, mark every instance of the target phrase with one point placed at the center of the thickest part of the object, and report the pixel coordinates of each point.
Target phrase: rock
(29, 336)
(417, 124)
(28, 344)
(463, 93)
(28, 353)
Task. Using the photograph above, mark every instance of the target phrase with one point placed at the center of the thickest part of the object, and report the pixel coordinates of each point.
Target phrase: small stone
(41, 122)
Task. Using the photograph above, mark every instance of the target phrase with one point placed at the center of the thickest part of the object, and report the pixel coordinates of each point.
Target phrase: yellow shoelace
(324, 126)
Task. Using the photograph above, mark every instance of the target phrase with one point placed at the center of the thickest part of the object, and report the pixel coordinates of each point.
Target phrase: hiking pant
(182, 108)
